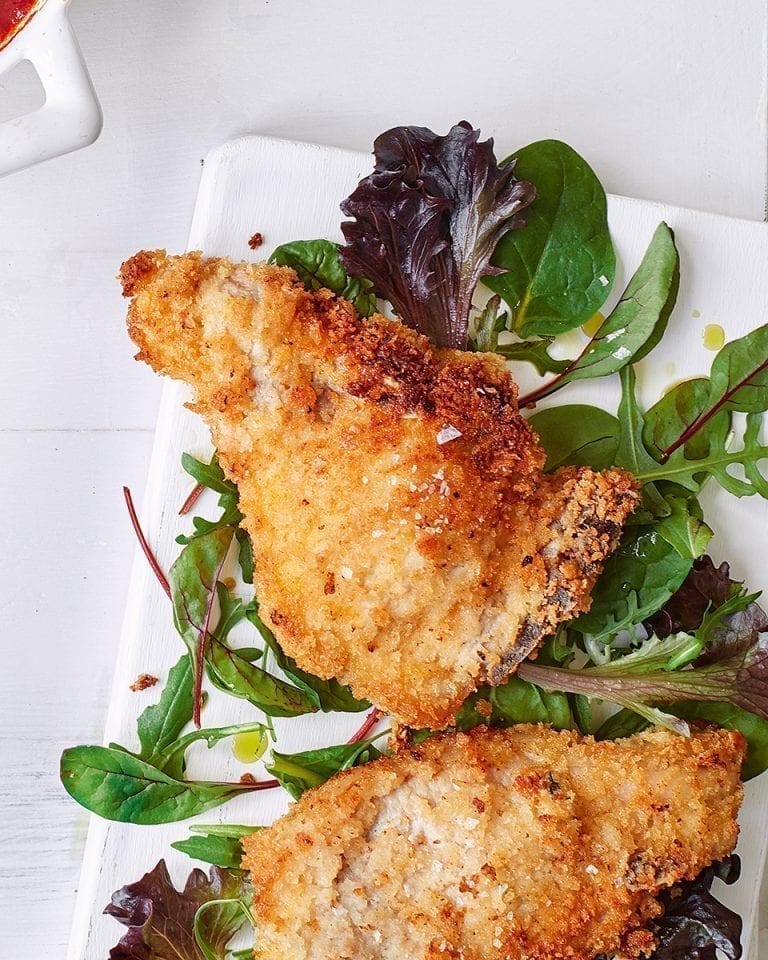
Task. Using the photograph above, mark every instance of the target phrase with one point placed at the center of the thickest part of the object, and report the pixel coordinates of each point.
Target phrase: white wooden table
(667, 100)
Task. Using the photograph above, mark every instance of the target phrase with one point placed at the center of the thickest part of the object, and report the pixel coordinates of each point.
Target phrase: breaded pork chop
(522, 843)
(405, 537)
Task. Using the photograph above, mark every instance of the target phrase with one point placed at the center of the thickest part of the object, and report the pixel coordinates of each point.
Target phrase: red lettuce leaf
(695, 925)
(160, 918)
(426, 222)
(706, 587)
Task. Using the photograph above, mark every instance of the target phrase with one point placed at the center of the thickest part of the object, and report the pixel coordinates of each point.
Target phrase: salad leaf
(558, 271)
(577, 434)
(118, 785)
(694, 925)
(317, 264)
(426, 222)
(325, 695)
(535, 352)
(162, 722)
(675, 413)
(148, 787)
(636, 323)
(216, 843)
(172, 760)
(298, 772)
(688, 429)
(637, 580)
(209, 475)
(515, 701)
(691, 473)
(161, 919)
(232, 669)
(193, 579)
(705, 587)
(730, 666)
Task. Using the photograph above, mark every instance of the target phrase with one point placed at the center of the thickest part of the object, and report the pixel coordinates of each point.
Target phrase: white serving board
(290, 191)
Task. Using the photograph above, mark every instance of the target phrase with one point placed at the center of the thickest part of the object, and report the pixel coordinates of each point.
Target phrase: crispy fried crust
(412, 566)
(524, 843)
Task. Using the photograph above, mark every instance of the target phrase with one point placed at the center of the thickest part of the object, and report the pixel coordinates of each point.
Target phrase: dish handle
(71, 117)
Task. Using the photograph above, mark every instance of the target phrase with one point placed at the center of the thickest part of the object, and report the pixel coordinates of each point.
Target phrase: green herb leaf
(208, 475)
(160, 724)
(298, 772)
(577, 434)
(217, 843)
(317, 265)
(193, 579)
(161, 920)
(560, 269)
(326, 695)
(120, 786)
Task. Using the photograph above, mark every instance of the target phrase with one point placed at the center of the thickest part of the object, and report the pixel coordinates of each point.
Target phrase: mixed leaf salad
(503, 257)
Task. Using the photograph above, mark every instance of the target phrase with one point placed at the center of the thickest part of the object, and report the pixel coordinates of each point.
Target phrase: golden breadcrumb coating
(521, 844)
(406, 540)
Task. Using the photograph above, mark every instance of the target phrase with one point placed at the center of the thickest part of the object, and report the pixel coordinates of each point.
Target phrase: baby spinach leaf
(684, 527)
(193, 579)
(577, 434)
(515, 701)
(317, 265)
(217, 843)
(635, 325)
(637, 580)
(161, 920)
(298, 772)
(558, 271)
(119, 786)
(326, 695)
(161, 723)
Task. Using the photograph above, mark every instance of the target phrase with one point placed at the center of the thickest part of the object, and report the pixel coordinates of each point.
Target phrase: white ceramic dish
(289, 191)
(71, 116)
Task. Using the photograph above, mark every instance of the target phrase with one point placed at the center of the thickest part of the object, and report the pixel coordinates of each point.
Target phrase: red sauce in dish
(13, 13)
